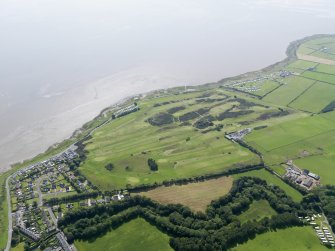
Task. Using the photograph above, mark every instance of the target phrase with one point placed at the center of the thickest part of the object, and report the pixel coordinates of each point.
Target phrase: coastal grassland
(258, 210)
(295, 238)
(272, 179)
(293, 87)
(196, 196)
(301, 65)
(315, 98)
(134, 235)
(179, 148)
(317, 44)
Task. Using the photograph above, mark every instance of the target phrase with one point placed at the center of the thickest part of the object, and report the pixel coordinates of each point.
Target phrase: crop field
(322, 92)
(196, 196)
(293, 87)
(258, 210)
(295, 238)
(272, 179)
(180, 133)
(136, 235)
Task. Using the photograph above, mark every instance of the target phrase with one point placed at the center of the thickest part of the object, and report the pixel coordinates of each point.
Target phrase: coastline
(108, 101)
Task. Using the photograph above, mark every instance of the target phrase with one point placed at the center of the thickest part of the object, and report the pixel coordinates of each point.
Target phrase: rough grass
(194, 195)
(290, 239)
(258, 210)
(136, 235)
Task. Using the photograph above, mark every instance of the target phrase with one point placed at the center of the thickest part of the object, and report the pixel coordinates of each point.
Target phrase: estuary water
(62, 61)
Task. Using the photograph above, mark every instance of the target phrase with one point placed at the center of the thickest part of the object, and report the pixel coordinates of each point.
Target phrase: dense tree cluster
(217, 229)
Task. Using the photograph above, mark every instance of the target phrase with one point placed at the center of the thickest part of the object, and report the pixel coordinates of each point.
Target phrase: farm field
(289, 132)
(322, 92)
(258, 210)
(293, 87)
(322, 77)
(323, 165)
(272, 179)
(136, 235)
(330, 69)
(295, 238)
(196, 196)
(301, 65)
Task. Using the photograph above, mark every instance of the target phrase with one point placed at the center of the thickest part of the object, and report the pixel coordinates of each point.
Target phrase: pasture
(258, 210)
(136, 235)
(295, 238)
(315, 98)
(197, 196)
(293, 87)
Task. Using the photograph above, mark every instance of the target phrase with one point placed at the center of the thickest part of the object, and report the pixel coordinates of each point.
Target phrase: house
(314, 176)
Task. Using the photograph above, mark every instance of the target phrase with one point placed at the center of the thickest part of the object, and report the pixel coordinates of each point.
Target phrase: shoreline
(290, 55)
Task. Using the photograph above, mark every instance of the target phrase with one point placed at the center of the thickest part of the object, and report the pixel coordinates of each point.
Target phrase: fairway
(258, 210)
(196, 196)
(290, 239)
(136, 235)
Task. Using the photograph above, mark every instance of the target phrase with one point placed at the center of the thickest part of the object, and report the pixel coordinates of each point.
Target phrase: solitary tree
(152, 164)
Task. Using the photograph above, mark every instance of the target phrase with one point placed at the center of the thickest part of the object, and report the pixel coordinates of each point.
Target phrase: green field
(301, 65)
(322, 77)
(315, 98)
(136, 235)
(179, 150)
(323, 165)
(290, 239)
(272, 179)
(258, 210)
(293, 87)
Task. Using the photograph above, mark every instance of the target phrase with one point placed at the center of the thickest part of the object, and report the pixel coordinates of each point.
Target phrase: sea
(63, 61)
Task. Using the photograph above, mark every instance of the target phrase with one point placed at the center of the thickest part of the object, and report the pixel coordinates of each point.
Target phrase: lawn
(258, 210)
(179, 150)
(194, 195)
(274, 180)
(19, 247)
(315, 98)
(290, 239)
(136, 235)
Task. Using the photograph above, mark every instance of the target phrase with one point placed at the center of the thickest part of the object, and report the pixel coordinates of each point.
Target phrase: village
(37, 194)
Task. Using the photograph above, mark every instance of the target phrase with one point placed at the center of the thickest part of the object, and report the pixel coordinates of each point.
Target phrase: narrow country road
(10, 222)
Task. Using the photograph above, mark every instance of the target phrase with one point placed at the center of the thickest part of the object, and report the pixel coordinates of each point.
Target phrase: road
(10, 222)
